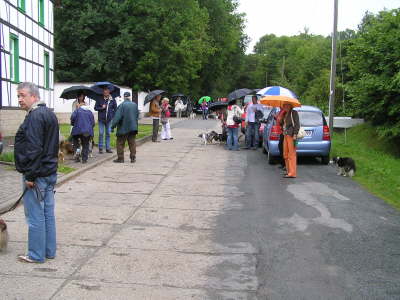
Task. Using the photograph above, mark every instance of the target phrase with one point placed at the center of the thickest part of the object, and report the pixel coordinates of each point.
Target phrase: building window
(41, 12)
(14, 58)
(46, 70)
(21, 5)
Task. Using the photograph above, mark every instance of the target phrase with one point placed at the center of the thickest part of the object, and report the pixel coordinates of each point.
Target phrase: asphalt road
(319, 236)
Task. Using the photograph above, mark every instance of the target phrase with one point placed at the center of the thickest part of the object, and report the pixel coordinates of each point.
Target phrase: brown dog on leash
(3, 235)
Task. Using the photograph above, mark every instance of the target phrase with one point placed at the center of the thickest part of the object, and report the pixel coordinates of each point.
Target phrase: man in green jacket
(126, 120)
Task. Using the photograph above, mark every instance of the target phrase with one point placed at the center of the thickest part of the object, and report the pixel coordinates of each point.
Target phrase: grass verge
(377, 161)
(144, 130)
(9, 157)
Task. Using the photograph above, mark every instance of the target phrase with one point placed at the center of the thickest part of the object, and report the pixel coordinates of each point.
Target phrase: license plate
(309, 132)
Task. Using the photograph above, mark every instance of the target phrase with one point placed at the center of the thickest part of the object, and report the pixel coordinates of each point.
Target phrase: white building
(27, 54)
(63, 107)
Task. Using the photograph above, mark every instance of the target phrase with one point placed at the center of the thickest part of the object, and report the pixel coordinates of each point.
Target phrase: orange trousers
(289, 154)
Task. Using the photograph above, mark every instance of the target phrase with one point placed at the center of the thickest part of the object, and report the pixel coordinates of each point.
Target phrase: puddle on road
(308, 193)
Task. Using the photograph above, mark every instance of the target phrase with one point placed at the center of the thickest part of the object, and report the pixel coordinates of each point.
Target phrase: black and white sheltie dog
(346, 165)
(209, 137)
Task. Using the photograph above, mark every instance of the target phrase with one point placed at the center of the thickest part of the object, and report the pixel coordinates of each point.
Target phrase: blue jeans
(107, 128)
(232, 142)
(205, 114)
(252, 138)
(39, 213)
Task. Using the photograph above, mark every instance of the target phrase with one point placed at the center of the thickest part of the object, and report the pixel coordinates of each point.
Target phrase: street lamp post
(333, 69)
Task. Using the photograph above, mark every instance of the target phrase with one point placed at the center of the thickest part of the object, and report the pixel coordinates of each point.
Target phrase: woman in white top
(179, 107)
(234, 110)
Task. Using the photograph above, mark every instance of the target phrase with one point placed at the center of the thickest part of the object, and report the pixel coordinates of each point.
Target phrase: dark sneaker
(118, 161)
(133, 160)
(109, 151)
(84, 161)
(101, 151)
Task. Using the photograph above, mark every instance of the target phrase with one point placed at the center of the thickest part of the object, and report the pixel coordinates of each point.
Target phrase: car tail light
(326, 135)
(275, 133)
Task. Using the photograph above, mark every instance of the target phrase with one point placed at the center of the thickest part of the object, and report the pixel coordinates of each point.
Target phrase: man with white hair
(36, 157)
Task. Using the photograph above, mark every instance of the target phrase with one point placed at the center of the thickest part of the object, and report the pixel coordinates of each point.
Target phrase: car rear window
(310, 118)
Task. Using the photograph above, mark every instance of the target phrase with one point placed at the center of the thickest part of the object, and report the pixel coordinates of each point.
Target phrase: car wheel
(325, 160)
(270, 158)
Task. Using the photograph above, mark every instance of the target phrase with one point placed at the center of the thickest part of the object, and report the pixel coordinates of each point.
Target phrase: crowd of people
(37, 143)
(287, 120)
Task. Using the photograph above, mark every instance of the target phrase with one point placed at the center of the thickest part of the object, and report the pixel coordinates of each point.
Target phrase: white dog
(192, 115)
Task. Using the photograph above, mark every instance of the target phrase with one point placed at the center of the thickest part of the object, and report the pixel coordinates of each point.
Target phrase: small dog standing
(3, 235)
(346, 165)
(208, 137)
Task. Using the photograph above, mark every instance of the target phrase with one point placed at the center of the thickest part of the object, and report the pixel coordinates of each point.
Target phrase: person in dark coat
(126, 120)
(82, 120)
(106, 106)
(36, 157)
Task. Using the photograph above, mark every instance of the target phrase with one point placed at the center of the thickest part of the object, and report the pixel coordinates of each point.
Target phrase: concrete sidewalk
(142, 231)
(11, 185)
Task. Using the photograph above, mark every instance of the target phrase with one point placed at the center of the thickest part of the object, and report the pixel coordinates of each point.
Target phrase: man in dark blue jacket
(36, 157)
(82, 120)
(106, 106)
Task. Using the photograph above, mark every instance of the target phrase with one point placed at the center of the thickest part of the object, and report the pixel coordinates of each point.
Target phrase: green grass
(65, 169)
(144, 130)
(7, 157)
(377, 161)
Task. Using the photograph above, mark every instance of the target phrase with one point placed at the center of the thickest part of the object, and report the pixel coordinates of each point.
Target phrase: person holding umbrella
(252, 123)
(106, 107)
(155, 113)
(126, 120)
(291, 126)
(82, 120)
(282, 97)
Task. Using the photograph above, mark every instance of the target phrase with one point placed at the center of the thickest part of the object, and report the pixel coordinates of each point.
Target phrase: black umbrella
(74, 91)
(150, 96)
(177, 95)
(217, 105)
(99, 86)
(237, 94)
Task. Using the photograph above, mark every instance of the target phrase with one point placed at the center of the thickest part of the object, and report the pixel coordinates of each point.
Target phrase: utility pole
(283, 68)
(333, 69)
(266, 78)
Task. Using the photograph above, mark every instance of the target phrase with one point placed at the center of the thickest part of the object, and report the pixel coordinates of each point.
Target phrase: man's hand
(295, 137)
(29, 184)
(104, 106)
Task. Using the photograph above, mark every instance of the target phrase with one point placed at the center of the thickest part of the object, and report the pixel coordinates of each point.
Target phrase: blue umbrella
(99, 86)
(277, 91)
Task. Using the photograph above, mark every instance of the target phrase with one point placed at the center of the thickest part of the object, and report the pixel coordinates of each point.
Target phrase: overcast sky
(289, 17)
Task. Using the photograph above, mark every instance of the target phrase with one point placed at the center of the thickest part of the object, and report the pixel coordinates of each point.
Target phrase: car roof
(303, 108)
(308, 108)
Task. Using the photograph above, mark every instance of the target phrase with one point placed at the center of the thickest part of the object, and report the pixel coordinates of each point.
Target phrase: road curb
(80, 171)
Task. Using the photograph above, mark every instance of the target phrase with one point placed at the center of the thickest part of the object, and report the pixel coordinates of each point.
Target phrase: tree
(373, 60)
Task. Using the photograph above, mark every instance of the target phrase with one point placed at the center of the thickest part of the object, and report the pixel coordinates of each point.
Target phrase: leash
(39, 196)
(14, 206)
